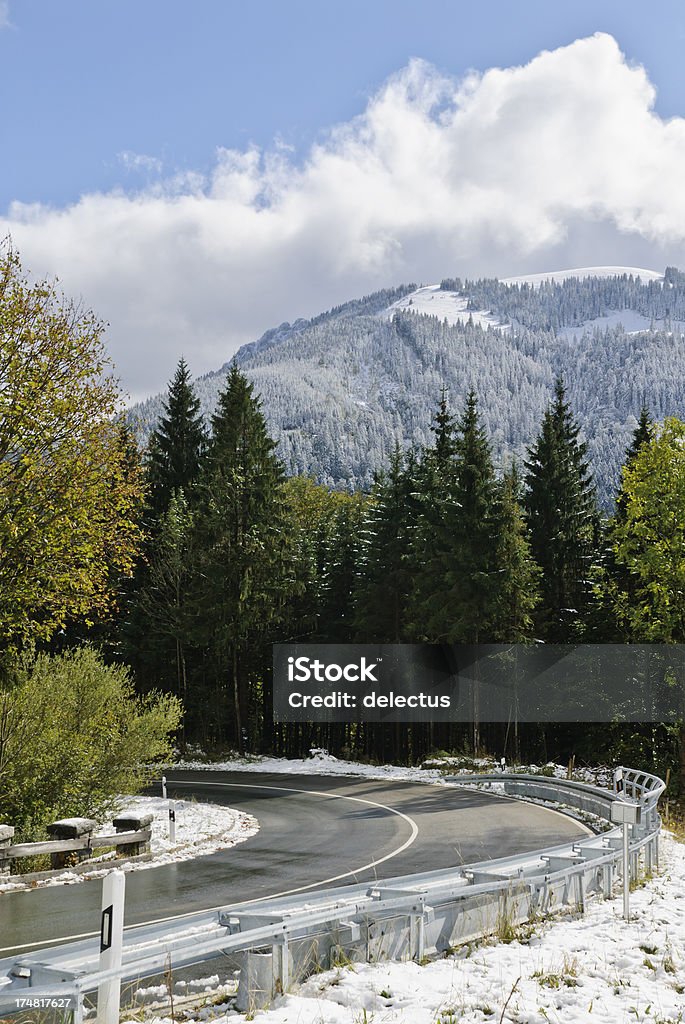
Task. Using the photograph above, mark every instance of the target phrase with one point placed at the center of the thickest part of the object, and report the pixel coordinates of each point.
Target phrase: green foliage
(73, 737)
(649, 539)
(518, 576)
(242, 567)
(161, 610)
(177, 444)
(69, 496)
(454, 558)
(560, 505)
(310, 511)
(340, 574)
(385, 575)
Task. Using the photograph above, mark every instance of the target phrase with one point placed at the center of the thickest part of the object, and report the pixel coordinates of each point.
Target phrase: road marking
(276, 895)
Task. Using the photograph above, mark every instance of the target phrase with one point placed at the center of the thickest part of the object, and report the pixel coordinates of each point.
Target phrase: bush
(74, 736)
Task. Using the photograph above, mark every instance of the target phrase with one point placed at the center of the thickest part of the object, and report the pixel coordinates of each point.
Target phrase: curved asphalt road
(314, 831)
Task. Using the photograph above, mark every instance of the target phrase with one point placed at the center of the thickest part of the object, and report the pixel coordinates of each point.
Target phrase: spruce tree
(641, 435)
(161, 606)
(471, 571)
(241, 577)
(177, 444)
(385, 570)
(562, 518)
(340, 575)
(433, 537)
(518, 577)
(453, 554)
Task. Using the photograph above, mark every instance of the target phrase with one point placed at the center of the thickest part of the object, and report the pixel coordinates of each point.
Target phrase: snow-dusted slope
(449, 306)
(581, 272)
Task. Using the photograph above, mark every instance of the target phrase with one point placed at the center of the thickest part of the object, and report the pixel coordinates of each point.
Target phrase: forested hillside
(339, 391)
(444, 549)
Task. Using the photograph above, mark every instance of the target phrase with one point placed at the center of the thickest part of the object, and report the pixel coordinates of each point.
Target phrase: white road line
(276, 895)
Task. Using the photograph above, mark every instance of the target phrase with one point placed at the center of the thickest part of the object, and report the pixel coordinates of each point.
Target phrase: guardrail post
(283, 959)
(626, 873)
(580, 891)
(77, 1012)
(111, 942)
(420, 945)
(256, 984)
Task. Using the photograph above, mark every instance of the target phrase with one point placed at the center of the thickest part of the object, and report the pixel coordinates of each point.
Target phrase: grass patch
(565, 977)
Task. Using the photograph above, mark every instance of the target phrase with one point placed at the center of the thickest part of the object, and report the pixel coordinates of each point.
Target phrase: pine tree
(433, 536)
(161, 605)
(472, 567)
(518, 577)
(177, 444)
(562, 518)
(641, 435)
(340, 574)
(241, 535)
(384, 566)
(453, 554)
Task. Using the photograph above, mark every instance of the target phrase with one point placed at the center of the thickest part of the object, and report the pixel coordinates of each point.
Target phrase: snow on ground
(449, 306)
(201, 829)
(320, 762)
(628, 319)
(590, 969)
(581, 272)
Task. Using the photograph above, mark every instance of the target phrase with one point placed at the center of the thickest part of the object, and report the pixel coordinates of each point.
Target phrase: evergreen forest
(444, 547)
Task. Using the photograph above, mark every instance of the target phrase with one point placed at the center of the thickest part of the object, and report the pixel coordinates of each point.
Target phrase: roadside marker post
(111, 942)
(172, 821)
(626, 814)
(163, 787)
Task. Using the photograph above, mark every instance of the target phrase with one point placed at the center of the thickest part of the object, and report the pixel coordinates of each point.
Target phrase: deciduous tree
(68, 496)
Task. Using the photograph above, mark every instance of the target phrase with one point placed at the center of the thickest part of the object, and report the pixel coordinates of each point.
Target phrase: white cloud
(140, 162)
(559, 162)
(4, 14)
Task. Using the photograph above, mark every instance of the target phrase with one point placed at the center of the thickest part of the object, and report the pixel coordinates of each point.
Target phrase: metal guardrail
(282, 940)
(84, 846)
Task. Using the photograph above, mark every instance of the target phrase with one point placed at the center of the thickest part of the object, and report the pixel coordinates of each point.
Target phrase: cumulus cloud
(559, 162)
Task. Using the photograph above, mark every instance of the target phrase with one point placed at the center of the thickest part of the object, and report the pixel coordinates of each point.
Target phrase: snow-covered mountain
(341, 389)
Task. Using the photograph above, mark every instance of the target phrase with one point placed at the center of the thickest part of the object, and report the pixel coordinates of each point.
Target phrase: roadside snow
(320, 762)
(592, 968)
(201, 829)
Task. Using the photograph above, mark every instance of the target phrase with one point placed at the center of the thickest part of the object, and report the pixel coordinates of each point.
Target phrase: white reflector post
(163, 787)
(172, 821)
(111, 941)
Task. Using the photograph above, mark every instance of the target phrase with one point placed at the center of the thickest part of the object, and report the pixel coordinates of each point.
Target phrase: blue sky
(165, 159)
(170, 80)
